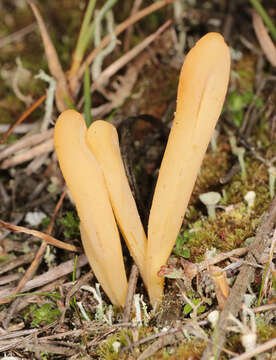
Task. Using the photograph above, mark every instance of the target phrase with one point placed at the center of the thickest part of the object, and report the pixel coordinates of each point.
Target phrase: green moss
(71, 224)
(233, 343)
(106, 349)
(192, 349)
(39, 316)
(257, 180)
(227, 232)
(214, 166)
(266, 332)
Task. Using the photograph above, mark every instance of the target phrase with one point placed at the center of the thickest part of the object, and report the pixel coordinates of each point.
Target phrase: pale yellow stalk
(202, 87)
(85, 181)
(103, 141)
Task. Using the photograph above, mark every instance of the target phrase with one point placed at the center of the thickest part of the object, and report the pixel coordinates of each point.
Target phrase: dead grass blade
(49, 239)
(22, 118)
(123, 60)
(62, 91)
(119, 29)
(45, 147)
(264, 39)
(25, 142)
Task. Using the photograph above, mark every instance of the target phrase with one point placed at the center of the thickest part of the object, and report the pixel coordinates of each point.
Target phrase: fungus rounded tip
(249, 197)
(272, 171)
(210, 198)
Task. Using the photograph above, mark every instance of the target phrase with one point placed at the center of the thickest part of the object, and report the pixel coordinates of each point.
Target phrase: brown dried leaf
(220, 283)
(265, 41)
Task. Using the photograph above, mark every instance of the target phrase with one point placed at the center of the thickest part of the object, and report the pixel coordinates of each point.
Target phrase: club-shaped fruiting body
(102, 138)
(272, 178)
(202, 88)
(249, 197)
(84, 178)
(239, 152)
(201, 92)
(214, 140)
(210, 200)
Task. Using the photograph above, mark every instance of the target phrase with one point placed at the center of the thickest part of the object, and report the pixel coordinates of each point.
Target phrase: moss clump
(107, 350)
(257, 180)
(227, 232)
(265, 332)
(233, 343)
(214, 166)
(192, 349)
(71, 224)
(46, 314)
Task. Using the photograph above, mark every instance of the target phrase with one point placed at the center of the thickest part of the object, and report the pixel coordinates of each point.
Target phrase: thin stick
(22, 118)
(49, 239)
(220, 257)
(130, 292)
(268, 269)
(258, 350)
(26, 142)
(266, 307)
(45, 147)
